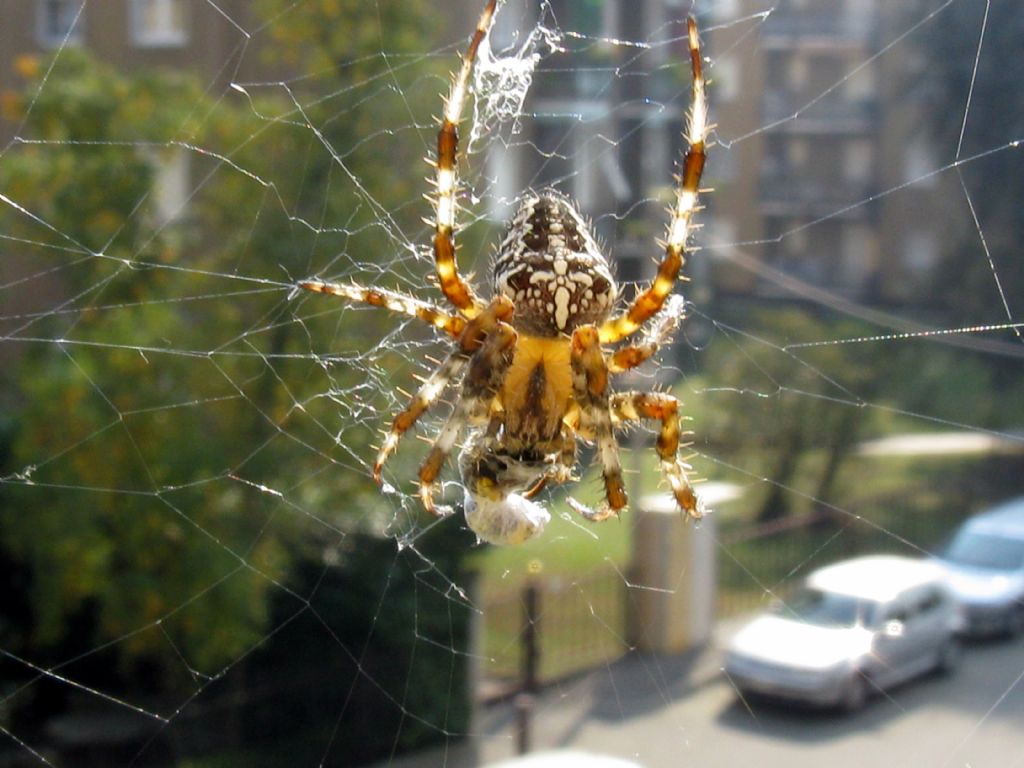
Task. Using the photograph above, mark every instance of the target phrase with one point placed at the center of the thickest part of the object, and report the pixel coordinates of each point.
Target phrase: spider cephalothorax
(531, 365)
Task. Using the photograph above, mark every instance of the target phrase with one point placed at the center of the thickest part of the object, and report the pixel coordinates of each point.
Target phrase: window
(157, 23)
(985, 551)
(797, 74)
(727, 80)
(797, 155)
(550, 141)
(857, 248)
(171, 187)
(858, 156)
(722, 231)
(726, 166)
(859, 86)
(919, 166)
(921, 254)
(930, 601)
(725, 10)
(827, 609)
(859, 15)
(59, 21)
(588, 17)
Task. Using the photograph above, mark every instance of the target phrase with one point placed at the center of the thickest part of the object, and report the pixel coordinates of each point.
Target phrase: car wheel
(856, 693)
(949, 656)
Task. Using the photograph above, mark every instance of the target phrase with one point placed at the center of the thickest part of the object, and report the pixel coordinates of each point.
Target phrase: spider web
(199, 561)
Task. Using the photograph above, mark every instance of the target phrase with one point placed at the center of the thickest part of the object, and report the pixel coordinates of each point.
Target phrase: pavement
(641, 684)
(653, 711)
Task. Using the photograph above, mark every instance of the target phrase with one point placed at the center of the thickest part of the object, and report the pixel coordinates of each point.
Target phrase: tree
(111, 464)
(157, 496)
(792, 416)
(92, 145)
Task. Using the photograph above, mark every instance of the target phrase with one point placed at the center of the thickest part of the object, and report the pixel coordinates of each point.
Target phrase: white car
(984, 563)
(855, 627)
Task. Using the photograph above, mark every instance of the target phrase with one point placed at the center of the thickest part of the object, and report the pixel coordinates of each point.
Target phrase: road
(665, 713)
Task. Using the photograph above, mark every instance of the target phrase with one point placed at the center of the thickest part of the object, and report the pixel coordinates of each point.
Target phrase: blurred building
(816, 113)
(819, 123)
(829, 113)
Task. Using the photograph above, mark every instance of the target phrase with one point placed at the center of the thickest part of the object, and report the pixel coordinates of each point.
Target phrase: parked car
(853, 628)
(984, 563)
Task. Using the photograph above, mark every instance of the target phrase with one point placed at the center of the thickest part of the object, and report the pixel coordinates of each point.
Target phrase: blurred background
(198, 569)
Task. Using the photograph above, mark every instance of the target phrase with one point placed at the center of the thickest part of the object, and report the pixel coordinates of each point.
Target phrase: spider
(531, 362)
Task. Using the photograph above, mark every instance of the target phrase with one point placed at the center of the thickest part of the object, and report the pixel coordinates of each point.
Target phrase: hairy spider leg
(446, 182)
(633, 406)
(658, 333)
(470, 340)
(426, 396)
(487, 369)
(590, 385)
(453, 325)
(650, 301)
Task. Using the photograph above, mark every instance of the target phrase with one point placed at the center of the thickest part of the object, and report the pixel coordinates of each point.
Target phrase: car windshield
(827, 609)
(985, 551)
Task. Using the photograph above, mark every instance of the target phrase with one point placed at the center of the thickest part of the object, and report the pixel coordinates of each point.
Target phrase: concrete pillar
(671, 599)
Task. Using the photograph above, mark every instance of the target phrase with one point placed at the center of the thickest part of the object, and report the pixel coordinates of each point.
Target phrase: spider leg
(590, 385)
(649, 301)
(446, 183)
(470, 340)
(426, 396)
(633, 406)
(537, 488)
(391, 300)
(487, 369)
(657, 334)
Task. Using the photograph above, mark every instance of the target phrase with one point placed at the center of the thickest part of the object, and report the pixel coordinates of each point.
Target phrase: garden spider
(530, 362)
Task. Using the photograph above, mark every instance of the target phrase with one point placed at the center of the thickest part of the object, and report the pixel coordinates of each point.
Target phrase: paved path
(669, 712)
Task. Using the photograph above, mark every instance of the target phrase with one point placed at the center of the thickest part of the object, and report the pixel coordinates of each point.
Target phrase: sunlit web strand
(909, 335)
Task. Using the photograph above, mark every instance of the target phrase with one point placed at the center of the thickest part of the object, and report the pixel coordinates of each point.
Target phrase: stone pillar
(671, 599)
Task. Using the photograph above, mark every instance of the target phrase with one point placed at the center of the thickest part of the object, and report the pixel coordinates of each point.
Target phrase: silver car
(854, 627)
(984, 563)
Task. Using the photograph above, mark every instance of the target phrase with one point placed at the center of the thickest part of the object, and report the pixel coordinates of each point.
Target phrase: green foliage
(140, 443)
(106, 433)
(366, 83)
(777, 408)
(791, 404)
(94, 113)
(342, 35)
(179, 454)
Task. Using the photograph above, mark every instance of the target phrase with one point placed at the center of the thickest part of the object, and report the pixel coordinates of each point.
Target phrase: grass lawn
(568, 547)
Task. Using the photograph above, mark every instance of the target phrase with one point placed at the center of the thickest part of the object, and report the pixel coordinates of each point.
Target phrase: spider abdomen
(552, 269)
